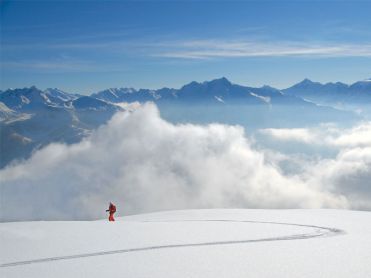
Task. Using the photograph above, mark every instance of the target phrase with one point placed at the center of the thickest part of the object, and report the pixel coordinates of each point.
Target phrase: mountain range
(356, 96)
(31, 118)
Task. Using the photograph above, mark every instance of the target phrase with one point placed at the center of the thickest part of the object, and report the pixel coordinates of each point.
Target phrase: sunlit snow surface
(193, 243)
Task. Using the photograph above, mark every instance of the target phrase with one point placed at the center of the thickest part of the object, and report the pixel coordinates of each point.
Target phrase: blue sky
(89, 46)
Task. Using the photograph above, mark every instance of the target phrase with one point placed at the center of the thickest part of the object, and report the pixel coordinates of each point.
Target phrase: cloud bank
(143, 163)
(348, 173)
(325, 135)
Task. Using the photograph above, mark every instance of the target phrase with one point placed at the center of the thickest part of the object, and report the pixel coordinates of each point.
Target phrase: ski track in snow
(319, 232)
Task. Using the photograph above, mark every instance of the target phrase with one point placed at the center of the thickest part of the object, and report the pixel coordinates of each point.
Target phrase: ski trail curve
(319, 232)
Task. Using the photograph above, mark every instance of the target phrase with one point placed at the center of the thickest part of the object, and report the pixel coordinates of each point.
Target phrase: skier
(112, 210)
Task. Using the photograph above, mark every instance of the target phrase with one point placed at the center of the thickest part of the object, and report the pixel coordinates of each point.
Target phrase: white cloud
(217, 48)
(59, 65)
(347, 173)
(291, 134)
(357, 136)
(144, 163)
(326, 135)
(208, 48)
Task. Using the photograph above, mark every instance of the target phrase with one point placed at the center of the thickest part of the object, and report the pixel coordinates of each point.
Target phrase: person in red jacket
(112, 210)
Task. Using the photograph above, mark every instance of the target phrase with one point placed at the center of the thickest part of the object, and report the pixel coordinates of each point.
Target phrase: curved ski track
(319, 232)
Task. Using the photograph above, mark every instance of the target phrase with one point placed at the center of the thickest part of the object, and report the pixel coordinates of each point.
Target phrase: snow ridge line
(320, 232)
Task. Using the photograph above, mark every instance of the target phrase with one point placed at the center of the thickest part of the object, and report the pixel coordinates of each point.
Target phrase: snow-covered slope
(193, 243)
(58, 97)
(6, 113)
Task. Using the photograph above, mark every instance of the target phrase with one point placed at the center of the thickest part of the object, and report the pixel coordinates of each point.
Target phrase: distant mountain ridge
(217, 90)
(340, 95)
(302, 98)
(223, 89)
(31, 118)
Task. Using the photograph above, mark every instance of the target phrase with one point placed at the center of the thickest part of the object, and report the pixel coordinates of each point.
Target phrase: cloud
(209, 48)
(359, 136)
(324, 135)
(47, 66)
(144, 163)
(59, 66)
(347, 172)
(217, 48)
(291, 134)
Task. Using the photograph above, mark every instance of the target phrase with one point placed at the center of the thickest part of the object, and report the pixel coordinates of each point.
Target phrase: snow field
(265, 250)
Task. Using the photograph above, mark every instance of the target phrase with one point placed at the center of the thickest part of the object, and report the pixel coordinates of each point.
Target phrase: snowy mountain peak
(306, 84)
(85, 103)
(307, 81)
(24, 98)
(54, 91)
(269, 88)
(190, 85)
(220, 81)
(115, 94)
(58, 97)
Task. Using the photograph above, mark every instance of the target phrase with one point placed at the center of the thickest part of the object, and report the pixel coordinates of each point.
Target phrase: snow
(16, 117)
(193, 243)
(112, 91)
(25, 100)
(6, 112)
(220, 99)
(263, 98)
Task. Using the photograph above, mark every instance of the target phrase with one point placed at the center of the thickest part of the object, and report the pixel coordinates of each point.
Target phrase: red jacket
(112, 208)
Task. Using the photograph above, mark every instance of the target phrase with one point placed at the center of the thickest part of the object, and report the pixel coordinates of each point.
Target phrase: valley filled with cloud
(148, 164)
